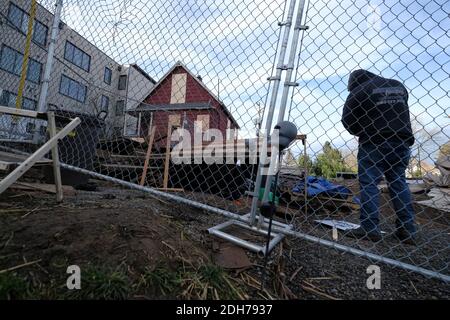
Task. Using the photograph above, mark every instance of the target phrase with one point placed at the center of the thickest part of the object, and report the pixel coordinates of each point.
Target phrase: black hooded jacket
(376, 109)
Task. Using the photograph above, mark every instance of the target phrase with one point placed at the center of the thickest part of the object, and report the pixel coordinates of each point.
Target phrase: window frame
(15, 99)
(35, 29)
(123, 107)
(106, 99)
(122, 76)
(16, 54)
(110, 76)
(30, 100)
(72, 59)
(40, 71)
(68, 90)
(24, 13)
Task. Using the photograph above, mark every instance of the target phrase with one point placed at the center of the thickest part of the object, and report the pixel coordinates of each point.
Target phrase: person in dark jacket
(376, 111)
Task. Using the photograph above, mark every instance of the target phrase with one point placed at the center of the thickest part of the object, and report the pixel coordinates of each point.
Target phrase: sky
(405, 40)
(233, 45)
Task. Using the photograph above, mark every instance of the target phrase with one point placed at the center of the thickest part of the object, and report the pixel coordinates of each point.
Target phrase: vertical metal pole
(305, 164)
(276, 85)
(51, 52)
(291, 62)
(287, 85)
(55, 157)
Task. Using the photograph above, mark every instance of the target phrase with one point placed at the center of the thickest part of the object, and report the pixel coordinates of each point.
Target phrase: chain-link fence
(174, 96)
(402, 40)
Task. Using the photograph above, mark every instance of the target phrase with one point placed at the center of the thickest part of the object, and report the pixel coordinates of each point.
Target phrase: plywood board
(178, 89)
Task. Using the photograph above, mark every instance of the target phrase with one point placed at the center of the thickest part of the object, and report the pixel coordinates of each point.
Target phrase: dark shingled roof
(171, 107)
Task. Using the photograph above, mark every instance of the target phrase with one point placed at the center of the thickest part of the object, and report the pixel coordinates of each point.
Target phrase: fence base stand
(258, 248)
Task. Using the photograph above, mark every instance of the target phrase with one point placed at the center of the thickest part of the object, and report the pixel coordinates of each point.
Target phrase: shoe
(360, 233)
(405, 237)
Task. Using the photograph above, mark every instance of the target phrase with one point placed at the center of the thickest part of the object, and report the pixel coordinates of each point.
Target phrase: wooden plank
(37, 155)
(15, 141)
(124, 156)
(127, 166)
(147, 155)
(21, 112)
(171, 189)
(4, 166)
(55, 157)
(49, 188)
(14, 158)
(9, 161)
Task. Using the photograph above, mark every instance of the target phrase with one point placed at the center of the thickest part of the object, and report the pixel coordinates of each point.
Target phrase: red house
(180, 98)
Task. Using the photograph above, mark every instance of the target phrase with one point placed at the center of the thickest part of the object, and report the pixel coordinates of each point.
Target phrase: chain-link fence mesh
(144, 75)
(403, 40)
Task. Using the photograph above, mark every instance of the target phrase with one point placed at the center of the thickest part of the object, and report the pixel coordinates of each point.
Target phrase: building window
(19, 18)
(120, 106)
(107, 75)
(30, 127)
(34, 71)
(11, 61)
(104, 103)
(122, 82)
(42, 130)
(77, 56)
(73, 89)
(9, 99)
(40, 33)
(28, 104)
(118, 131)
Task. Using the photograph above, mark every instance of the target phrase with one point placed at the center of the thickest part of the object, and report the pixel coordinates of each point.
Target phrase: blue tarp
(321, 186)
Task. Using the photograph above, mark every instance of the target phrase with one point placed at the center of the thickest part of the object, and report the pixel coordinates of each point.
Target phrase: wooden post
(55, 157)
(166, 162)
(174, 120)
(149, 152)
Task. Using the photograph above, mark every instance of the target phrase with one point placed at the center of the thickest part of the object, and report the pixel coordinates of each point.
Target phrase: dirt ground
(131, 245)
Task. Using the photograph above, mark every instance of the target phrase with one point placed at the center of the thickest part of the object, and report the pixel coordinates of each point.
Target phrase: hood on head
(357, 77)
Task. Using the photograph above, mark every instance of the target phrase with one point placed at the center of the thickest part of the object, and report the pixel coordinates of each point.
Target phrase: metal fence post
(287, 85)
(50, 54)
(273, 101)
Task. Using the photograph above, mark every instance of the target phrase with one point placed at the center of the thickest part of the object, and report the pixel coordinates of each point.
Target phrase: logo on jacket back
(389, 95)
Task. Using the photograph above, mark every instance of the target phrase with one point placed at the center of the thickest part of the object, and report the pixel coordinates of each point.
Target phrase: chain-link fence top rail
(135, 71)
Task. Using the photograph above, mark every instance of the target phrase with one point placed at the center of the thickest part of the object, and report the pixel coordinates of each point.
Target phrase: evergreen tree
(329, 162)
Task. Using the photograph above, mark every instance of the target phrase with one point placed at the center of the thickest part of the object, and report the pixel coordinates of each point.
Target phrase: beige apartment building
(84, 80)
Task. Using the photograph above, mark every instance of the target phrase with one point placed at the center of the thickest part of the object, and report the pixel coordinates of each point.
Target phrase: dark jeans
(390, 159)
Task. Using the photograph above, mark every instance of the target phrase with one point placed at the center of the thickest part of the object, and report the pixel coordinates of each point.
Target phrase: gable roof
(180, 64)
